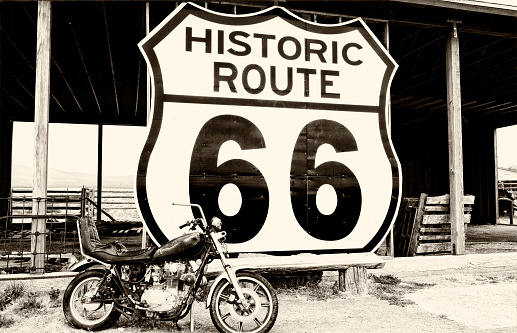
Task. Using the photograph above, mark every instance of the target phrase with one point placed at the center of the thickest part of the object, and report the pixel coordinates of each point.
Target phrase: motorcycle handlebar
(189, 223)
(202, 219)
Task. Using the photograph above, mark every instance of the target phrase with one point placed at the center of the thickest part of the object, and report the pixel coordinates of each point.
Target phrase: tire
(88, 316)
(229, 317)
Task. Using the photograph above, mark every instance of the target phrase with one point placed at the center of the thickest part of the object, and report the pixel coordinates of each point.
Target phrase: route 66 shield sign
(274, 124)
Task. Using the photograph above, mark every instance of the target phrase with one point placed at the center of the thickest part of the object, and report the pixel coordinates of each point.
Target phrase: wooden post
(390, 241)
(6, 144)
(496, 173)
(354, 280)
(455, 141)
(386, 43)
(99, 173)
(148, 103)
(6, 148)
(41, 120)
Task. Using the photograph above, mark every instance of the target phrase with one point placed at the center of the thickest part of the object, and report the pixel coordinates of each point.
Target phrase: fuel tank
(184, 246)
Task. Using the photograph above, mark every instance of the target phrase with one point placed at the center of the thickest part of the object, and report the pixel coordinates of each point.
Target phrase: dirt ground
(447, 303)
(482, 298)
(497, 238)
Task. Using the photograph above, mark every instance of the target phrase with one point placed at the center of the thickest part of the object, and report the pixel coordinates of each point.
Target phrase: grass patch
(309, 285)
(319, 291)
(11, 293)
(414, 286)
(18, 302)
(5, 321)
(53, 294)
(392, 289)
(386, 280)
(30, 303)
(322, 292)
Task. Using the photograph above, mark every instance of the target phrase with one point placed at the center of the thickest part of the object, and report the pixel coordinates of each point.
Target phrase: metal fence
(64, 207)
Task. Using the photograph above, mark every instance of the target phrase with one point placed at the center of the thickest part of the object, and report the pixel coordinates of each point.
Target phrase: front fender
(224, 276)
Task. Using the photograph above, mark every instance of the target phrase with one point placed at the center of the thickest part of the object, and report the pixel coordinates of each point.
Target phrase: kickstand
(192, 318)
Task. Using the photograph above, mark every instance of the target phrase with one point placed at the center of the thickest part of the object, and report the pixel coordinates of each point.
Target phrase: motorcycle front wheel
(80, 310)
(229, 316)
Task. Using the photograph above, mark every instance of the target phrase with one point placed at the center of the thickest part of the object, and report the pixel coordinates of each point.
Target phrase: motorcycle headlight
(216, 223)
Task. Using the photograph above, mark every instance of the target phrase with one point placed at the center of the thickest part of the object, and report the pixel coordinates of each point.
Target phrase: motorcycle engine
(166, 290)
(160, 288)
(158, 299)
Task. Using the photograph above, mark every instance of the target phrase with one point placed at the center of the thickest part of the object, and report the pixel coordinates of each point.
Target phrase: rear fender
(224, 276)
(86, 264)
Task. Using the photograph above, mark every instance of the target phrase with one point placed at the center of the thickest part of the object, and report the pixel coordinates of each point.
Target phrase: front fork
(216, 237)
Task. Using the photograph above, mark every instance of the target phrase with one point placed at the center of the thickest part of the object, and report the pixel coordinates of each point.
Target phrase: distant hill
(22, 177)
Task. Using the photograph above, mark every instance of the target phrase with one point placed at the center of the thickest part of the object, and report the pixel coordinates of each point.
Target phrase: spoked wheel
(229, 316)
(80, 309)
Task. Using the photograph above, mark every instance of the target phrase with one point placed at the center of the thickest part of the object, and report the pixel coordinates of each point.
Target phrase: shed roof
(99, 76)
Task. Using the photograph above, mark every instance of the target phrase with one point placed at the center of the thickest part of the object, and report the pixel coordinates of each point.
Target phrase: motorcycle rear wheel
(78, 308)
(229, 317)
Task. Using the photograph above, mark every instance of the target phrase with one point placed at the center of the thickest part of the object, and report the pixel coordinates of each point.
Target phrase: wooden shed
(78, 62)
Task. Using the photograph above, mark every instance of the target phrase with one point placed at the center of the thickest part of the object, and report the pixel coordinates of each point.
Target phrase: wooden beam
(390, 245)
(111, 57)
(455, 140)
(485, 7)
(41, 121)
(72, 30)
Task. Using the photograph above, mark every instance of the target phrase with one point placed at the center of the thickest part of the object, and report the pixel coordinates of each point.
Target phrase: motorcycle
(163, 282)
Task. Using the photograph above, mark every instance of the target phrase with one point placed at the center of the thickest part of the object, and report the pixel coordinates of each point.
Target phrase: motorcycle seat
(108, 256)
(110, 253)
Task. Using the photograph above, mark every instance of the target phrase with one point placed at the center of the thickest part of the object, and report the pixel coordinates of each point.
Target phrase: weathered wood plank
(436, 219)
(439, 200)
(443, 219)
(403, 226)
(434, 237)
(300, 263)
(435, 230)
(433, 247)
(444, 209)
(445, 200)
(416, 224)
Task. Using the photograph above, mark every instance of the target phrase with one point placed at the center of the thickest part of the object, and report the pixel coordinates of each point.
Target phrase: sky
(73, 148)
(506, 146)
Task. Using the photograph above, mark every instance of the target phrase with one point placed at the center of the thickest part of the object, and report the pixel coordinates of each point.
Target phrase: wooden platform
(271, 264)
